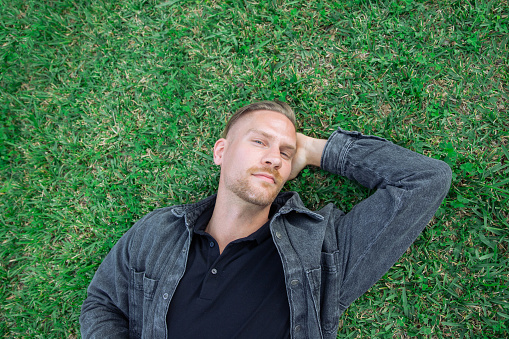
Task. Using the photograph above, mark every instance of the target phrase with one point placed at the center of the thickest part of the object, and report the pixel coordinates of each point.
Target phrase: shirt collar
(259, 235)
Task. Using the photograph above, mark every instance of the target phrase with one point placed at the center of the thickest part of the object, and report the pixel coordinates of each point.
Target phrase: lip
(266, 177)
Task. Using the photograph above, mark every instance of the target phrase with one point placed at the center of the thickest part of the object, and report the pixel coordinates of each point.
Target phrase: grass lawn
(110, 109)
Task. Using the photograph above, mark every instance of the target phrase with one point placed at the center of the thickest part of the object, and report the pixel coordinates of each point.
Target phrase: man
(251, 262)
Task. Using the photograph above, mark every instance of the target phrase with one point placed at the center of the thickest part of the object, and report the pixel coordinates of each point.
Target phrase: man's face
(256, 157)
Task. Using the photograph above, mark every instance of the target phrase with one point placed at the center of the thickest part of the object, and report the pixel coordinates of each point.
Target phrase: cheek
(238, 160)
(247, 157)
(286, 170)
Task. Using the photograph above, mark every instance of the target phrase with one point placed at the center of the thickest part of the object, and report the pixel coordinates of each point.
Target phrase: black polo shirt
(238, 294)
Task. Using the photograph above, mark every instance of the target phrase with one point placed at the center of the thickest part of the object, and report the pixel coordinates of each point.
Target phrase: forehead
(269, 123)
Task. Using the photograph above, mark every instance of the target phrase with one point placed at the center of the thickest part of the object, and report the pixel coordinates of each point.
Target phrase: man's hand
(309, 152)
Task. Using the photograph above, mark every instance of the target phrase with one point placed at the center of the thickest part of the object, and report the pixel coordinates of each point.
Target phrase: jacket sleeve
(376, 232)
(105, 311)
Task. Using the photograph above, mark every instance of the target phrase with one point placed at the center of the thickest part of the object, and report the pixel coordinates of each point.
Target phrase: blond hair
(275, 106)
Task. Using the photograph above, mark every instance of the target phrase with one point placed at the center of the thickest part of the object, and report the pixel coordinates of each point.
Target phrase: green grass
(109, 109)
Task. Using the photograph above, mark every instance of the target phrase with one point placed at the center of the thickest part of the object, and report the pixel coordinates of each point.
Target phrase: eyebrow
(268, 136)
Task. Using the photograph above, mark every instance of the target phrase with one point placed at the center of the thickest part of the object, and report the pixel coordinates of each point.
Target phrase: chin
(260, 199)
(252, 192)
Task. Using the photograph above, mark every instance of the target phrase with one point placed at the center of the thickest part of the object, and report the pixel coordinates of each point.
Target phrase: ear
(219, 149)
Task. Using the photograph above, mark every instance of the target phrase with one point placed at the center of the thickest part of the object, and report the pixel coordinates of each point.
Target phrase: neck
(232, 220)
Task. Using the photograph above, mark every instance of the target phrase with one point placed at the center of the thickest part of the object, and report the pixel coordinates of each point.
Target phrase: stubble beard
(261, 196)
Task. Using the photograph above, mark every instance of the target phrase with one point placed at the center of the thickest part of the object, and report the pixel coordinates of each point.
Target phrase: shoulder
(155, 227)
(165, 223)
(158, 217)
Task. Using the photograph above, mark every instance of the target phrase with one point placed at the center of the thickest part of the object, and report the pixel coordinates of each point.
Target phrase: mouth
(265, 177)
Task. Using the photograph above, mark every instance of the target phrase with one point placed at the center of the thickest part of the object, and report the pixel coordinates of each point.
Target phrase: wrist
(314, 149)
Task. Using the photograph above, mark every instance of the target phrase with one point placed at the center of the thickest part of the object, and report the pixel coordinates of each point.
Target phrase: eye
(285, 155)
(258, 142)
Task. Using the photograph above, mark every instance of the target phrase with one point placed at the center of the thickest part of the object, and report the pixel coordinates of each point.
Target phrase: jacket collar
(291, 202)
(191, 212)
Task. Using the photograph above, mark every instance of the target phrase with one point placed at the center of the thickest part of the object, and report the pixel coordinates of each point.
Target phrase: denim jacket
(329, 258)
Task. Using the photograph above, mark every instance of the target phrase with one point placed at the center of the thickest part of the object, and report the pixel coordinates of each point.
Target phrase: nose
(272, 158)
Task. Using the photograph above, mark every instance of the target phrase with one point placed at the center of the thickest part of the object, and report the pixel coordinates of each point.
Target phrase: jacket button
(165, 296)
(297, 328)
(294, 282)
(278, 235)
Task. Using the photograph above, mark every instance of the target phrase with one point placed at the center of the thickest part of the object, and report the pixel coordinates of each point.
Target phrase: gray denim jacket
(329, 258)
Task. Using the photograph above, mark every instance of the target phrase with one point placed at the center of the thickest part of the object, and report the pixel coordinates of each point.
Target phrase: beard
(262, 195)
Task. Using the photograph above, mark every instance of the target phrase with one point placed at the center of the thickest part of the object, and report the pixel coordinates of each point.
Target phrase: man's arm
(377, 231)
(309, 152)
(105, 311)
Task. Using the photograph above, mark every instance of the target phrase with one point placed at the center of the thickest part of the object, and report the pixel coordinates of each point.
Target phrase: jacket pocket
(142, 290)
(325, 291)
